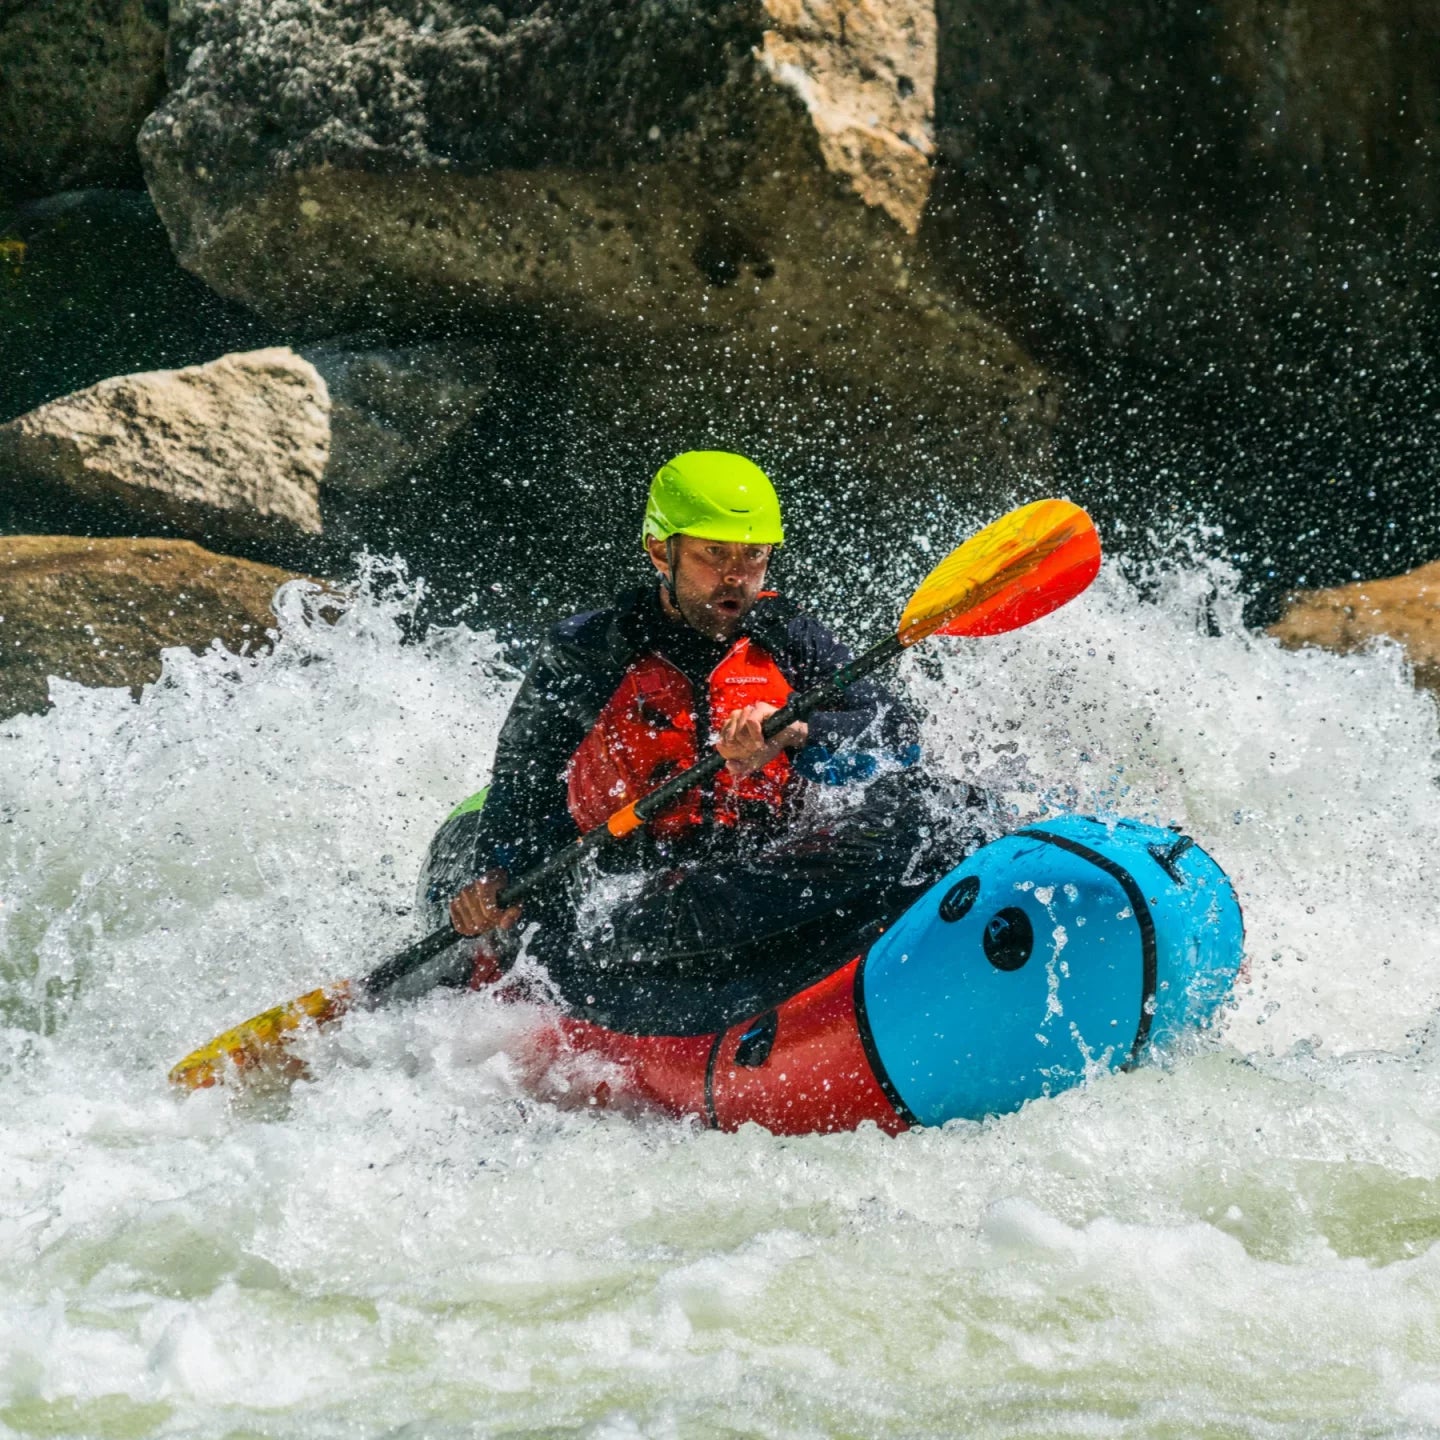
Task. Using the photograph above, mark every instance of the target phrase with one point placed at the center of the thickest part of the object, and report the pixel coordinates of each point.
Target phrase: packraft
(1066, 949)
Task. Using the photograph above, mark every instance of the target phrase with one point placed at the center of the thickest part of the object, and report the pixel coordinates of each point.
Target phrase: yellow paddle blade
(1022, 566)
(260, 1042)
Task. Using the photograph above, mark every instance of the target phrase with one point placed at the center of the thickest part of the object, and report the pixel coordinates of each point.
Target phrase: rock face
(392, 408)
(1404, 608)
(237, 446)
(100, 611)
(732, 185)
(871, 242)
(77, 77)
(1221, 222)
(865, 73)
(1220, 155)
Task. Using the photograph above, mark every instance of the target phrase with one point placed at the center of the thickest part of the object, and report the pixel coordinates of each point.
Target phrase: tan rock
(238, 445)
(1404, 608)
(865, 72)
(100, 611)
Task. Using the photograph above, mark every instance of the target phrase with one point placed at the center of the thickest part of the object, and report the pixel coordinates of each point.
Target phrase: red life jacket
(646, 733)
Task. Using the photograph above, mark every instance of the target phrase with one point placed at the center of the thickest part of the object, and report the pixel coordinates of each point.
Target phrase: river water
(1239, 1239)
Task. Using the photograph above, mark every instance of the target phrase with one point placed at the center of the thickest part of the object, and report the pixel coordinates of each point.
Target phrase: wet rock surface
(90, 289)
(98, 612)
(77, 78)
(1403, 608)
(1222, 225)
(236, 446)
(1189, 153)
(865, 73)
(734, 185)
(272, 88)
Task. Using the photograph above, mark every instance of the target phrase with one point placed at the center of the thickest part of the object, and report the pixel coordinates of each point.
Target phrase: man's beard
(709, 619)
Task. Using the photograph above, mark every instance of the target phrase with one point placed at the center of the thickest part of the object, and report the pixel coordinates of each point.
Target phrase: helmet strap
(672, 559)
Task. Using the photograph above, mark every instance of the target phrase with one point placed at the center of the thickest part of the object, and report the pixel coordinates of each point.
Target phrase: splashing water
(1240, 1239)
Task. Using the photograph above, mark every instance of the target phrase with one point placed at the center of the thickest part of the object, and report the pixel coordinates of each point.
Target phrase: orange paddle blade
(260, 1042)
(1022, 566)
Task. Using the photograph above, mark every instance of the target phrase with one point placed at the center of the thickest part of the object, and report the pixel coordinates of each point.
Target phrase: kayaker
(759, 883)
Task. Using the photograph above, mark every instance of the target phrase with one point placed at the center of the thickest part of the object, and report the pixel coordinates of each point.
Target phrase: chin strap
(672, 560)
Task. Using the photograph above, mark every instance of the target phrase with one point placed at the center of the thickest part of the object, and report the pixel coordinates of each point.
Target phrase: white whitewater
(1240, 1240)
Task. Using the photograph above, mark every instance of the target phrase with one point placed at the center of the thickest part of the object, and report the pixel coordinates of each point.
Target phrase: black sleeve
(866, 708)
(527, 815)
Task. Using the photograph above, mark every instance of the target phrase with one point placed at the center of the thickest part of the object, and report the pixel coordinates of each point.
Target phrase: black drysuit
(724, 921)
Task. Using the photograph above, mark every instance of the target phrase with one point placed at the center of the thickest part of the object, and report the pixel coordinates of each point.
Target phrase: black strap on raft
(1149, 969)
(1167, 854)
(872, 1054)
(1148, 956)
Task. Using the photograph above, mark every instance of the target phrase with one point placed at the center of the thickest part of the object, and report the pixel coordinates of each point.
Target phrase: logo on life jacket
(646, 733)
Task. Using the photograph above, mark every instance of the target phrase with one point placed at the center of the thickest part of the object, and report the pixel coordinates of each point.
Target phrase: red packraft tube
(799, 1069)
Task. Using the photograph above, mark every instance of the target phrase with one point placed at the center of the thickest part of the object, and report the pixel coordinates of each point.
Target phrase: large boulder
(77, 77)
(92, 290)
(1403, 608)
(1221, 223)
(237, 446)
(100, 611)
(732, 188)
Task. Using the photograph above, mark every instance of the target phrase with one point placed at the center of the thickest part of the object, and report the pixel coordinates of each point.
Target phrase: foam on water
(1238, 1240)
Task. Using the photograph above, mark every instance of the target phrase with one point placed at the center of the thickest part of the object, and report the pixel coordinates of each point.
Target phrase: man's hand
(475, 910)
(746, 749)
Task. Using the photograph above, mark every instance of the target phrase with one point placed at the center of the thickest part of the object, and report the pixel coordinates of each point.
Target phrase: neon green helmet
(713, 495)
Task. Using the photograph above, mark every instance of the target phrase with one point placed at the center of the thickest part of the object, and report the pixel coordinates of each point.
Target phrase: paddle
(1017, 569)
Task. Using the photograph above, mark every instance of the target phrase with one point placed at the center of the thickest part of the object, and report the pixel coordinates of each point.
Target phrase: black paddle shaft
(405, 962)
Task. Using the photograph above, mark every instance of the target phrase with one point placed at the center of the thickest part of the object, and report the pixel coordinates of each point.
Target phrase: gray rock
(737, 178)
(76, 79)
(92, 289)
(1171, 176)
(237, 446)
(393, 408)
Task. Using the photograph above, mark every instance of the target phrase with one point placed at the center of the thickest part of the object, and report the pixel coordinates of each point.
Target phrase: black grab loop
(959, 899)
(1009, 938)
(1165, 856)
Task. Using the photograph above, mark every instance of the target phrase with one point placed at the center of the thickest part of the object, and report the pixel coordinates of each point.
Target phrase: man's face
(716, 583)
